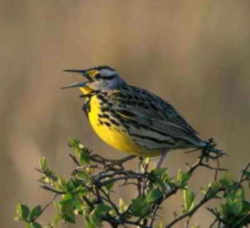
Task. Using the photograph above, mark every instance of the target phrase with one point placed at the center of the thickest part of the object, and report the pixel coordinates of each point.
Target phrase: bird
(132, 119)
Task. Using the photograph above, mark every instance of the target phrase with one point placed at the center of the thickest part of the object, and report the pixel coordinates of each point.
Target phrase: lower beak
(73, 85)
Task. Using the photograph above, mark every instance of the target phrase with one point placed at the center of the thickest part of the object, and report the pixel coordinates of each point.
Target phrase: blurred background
(195, 54)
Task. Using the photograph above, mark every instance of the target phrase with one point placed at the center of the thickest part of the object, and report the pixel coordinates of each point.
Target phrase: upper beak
(76, 71)
(77, 84)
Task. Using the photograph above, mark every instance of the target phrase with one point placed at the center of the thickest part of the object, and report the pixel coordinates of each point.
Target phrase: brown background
(194, 54)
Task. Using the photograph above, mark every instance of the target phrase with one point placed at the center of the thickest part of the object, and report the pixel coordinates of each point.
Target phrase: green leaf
(158, 174)
(69, 217)
(188, 198)
(35, 213)
(160, 225)
(96, 216)
(153, 196)
(122, 206)
(67, 199)
(182, 178)
(160, 178)
(34, 225)
(84, 157)
(91, 222)
(22, 212)
(102, 209)
(83, 175)
(212, 189)
(73, 142)
(61, 184)
(109, 185)
(146, 160)
(247, 173)
(140, 207)
(226, 181)
(66, 208)
(80, 151)
(246, 206)
(239, 194)
(234, 202)
(43, 164)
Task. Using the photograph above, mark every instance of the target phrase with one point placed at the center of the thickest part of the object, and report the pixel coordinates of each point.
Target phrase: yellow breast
(115, 136)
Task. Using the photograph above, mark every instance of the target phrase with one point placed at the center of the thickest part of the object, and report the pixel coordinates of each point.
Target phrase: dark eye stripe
(99, 76)
(109, 77)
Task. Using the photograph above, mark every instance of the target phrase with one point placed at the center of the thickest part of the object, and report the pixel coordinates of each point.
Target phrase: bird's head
(100, 78)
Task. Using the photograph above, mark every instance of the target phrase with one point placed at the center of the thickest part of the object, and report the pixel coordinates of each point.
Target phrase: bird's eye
(98, 76)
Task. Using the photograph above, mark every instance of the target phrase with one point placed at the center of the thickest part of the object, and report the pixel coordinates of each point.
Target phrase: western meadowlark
(131, 119)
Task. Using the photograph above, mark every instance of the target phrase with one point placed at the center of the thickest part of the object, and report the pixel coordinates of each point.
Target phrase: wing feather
(151, 121)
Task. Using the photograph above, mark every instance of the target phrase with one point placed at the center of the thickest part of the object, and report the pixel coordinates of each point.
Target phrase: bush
(88, 193)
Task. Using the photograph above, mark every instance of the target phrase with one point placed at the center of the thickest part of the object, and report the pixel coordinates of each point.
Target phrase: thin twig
(49, 203)
(195, 208)
(74, 159)
(52, 190)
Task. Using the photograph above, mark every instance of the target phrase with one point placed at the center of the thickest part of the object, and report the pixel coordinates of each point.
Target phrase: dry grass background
(193, 53)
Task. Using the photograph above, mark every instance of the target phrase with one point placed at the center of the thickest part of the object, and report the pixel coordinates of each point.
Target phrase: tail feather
(210, 149)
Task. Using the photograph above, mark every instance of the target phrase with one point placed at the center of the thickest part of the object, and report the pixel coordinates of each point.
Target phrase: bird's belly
(115, 136)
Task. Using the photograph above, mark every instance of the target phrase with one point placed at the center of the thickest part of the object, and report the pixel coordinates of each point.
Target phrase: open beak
(77, 84)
